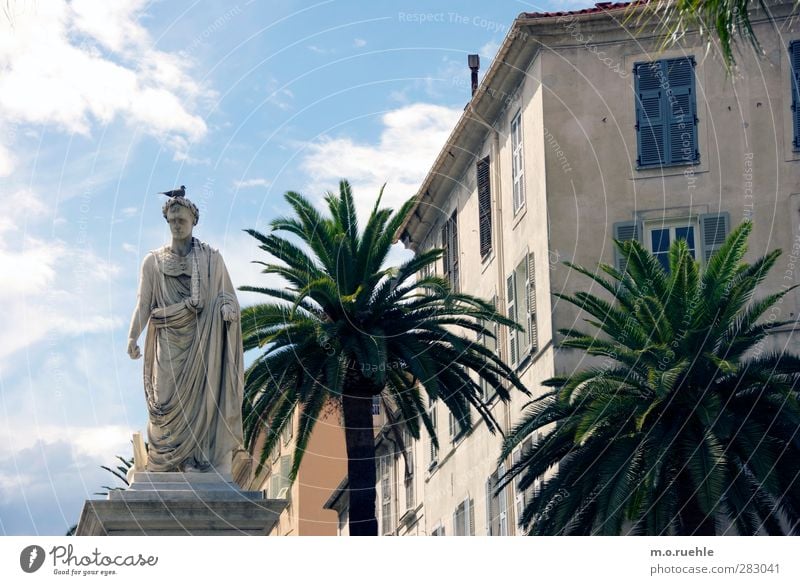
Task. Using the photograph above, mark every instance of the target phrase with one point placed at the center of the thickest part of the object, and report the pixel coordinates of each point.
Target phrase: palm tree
(689, 425)
(727, 20)
(347, 329)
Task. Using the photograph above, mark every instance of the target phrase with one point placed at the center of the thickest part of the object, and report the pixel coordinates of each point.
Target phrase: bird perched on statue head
(175, 192)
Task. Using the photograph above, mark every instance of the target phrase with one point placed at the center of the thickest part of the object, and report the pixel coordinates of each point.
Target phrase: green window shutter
(484, 207)
(531, 289)
(794, 57)
(714, 228)
(681, 107)
(650, 115)
(512, 314)
(623, 231)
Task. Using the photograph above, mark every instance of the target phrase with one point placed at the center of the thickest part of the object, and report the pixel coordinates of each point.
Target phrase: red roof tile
(599, 7)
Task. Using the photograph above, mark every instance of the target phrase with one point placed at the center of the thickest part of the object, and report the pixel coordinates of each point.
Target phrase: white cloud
(487, 53)
(52, 72)
(358, 43)
(247, 183)
(411, 138)
(48, 296)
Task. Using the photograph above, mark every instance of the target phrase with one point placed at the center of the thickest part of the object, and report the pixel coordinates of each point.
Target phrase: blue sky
(103, 104)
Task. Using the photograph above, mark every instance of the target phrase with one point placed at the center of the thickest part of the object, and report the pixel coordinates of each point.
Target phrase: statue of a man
(193, 364)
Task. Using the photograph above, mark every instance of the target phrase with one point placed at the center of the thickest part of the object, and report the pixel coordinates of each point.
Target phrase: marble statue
(193, 364)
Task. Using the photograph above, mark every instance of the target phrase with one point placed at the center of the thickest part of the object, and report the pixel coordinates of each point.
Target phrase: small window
(666, 113)
(456, 427)
(704, 234)
(484, 207)
(450, 257)
(408, 443)
(517, 162)
(464, 519)
(521, 300)
(496, 506)
(438, 531)
(660, 236)
(434, 450)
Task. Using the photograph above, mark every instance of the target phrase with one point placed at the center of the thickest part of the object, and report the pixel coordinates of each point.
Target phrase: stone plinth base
(167, 504)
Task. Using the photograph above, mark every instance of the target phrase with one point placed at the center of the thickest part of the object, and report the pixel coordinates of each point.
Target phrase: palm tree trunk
(359, 437)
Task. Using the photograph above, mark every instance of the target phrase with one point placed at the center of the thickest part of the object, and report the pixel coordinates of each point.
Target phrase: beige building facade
(581, 131)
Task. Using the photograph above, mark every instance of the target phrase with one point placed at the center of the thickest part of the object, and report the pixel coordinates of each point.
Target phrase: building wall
(580, 150)
(743, 121)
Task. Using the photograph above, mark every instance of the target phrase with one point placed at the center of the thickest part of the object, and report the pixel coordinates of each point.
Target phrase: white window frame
(517, 163)
(672, 224)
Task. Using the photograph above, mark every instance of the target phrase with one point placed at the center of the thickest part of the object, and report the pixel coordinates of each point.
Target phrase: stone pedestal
(167, 504)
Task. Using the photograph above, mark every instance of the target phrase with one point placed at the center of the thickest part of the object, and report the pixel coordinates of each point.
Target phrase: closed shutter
(666, 112)
(453, 246)
(531, 289)
(513, 348)
(714, 228)
(445, 250)
(650, 117)
(484, 207)
(434, 452)
(492, 509)
(470, 517)
(794, 57)
(623, 231)
(458, 520)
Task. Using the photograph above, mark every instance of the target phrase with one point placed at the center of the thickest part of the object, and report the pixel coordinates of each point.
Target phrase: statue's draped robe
(193, 364)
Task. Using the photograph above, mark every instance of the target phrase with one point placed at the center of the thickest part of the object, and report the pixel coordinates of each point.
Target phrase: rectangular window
(287, 431)
(484, 207)
(408, 443)
(666, 113)
(794, 58)
(464, 519)
(521, 292)
(489, 343)
(450, 246)
(496, 506)
(517, 163)
(376, 406)
(438, 531)
(434, 450)
(456, 427)
(523, 497)
(660, 236)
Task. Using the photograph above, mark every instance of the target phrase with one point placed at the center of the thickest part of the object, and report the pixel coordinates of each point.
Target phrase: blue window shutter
(681, 108)
(794, 57)
(650, 117)
(625, 230)
(714, 228)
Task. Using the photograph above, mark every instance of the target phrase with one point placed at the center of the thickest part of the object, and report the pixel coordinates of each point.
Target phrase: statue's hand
(228, 313)
(133, 350)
